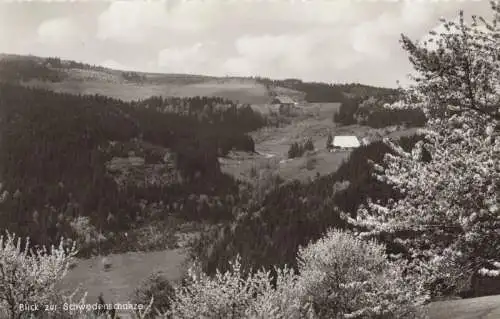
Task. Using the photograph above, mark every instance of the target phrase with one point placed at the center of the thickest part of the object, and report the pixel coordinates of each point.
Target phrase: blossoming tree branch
(448, 220)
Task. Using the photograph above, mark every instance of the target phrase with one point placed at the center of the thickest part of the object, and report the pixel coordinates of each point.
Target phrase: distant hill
(72, 77)
(79, 78)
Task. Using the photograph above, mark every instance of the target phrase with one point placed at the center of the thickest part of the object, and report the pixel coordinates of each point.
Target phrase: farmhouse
(286, 104)
(345, 142)
(283, 100)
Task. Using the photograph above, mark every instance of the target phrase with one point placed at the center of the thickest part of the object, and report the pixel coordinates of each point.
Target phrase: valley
(153, 171)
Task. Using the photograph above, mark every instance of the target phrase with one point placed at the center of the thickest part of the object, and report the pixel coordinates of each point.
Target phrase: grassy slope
(111, 83)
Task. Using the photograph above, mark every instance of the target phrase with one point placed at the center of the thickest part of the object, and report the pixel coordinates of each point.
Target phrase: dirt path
(266, 155)
(475, 308)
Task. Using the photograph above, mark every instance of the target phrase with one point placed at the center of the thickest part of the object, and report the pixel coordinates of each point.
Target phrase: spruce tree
(329, 141)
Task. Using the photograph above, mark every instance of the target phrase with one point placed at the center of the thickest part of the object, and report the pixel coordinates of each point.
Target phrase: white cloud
(138, 21)
(131, 21)
(270, 55)
(307, 39)
(319, 12)
(370, 38)
(190, 59)
(3, 38)
(269, 48)
(195, 16)
(240, 66)
(377, 38)
(292, 55)
(341, 35)
(60, 31)
(415, 13)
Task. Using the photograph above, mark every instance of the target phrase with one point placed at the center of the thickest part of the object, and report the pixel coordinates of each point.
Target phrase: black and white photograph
(250, 159)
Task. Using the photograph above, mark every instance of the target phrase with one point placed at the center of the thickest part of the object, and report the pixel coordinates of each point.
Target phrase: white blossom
(448, 219)
(340, 276)
(30, 276)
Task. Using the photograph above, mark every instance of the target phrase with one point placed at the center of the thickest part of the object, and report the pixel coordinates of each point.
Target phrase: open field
(111, 83)
(315, 122)
(128, 270)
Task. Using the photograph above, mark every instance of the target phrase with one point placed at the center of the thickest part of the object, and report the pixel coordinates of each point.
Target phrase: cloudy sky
(315, 40)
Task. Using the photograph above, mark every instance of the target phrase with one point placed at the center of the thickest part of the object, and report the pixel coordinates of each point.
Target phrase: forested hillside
(373, 111)
(270, 232)
(62, 158)
(317, 92)
(25, 69)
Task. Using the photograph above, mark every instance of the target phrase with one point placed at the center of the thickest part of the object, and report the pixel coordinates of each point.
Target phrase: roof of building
(346, 141)
(283, 99)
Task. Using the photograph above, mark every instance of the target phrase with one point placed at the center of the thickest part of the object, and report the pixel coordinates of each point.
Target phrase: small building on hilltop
(344, 142)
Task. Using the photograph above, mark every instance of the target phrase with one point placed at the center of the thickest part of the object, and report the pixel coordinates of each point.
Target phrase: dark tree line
(298, 149)
(15, 70)
(317, 92)
(380, 117)
(212, 110)
(374, 114)
(57, 63)
(220, 121)
(134, 77)
(347, 111)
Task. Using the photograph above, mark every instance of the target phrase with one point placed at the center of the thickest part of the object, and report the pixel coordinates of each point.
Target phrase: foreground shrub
(30, 276)
(340, 276)
(346, 277)
(234, 294)
(158, 287)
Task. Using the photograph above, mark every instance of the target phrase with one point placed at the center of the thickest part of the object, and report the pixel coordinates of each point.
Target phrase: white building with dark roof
(345, 142)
